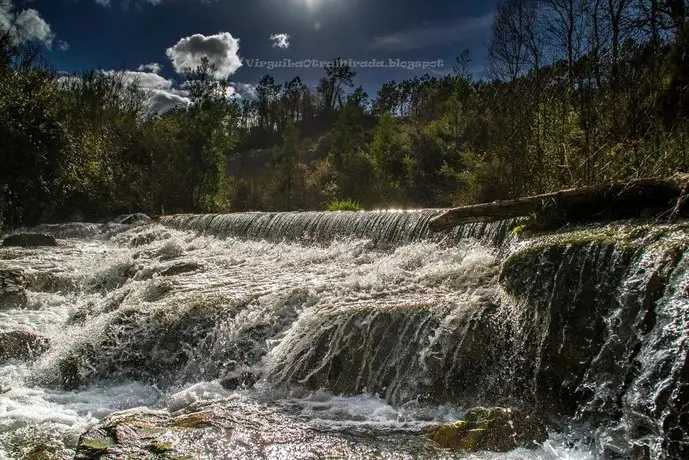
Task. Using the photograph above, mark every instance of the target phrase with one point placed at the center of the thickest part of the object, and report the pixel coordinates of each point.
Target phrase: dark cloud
(433, 35)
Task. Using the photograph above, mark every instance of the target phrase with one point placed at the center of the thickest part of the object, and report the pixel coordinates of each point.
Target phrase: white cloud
(242, 91)
(62, 45)
(151, 67)
(161, 93)
(105, 3)
(160, 101)
(144, 80)
(437, 35)
(221, 49)
(28, 25)
(280, 41)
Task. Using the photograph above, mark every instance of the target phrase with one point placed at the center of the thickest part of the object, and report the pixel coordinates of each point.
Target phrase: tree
(338, 76)
(288, 185)
(267, 93)
(212, 133)
(514, 48)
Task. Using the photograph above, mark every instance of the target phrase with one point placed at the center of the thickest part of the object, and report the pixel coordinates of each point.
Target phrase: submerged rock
(402, 352)
(12, 292)
(21, 345)
(179, 268)
(132, 219)
(491, 429)
(29, 240)
(51, 282)
(150, 344)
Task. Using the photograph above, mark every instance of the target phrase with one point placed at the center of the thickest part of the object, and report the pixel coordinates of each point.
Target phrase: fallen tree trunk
(610, 201)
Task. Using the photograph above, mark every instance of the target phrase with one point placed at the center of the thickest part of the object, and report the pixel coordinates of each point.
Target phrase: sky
(153, 40)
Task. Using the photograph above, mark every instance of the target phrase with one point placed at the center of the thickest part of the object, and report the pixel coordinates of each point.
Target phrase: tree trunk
(615, 200)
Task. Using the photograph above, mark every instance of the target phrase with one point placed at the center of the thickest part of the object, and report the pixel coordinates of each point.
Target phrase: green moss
(96, 445)
(160, 447)
(197, 420)
(496, 429)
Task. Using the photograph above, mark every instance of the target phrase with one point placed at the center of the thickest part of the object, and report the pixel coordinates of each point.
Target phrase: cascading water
(309, 335)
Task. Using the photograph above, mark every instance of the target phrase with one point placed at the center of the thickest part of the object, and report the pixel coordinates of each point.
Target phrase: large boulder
(493, 429)
(12, 293)
(21, 345)
(29, 240)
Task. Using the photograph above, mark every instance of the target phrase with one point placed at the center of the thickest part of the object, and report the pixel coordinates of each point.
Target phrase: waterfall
(382, 228)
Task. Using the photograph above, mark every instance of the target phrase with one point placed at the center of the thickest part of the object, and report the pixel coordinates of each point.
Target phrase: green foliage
(616, 110)
(344, 205)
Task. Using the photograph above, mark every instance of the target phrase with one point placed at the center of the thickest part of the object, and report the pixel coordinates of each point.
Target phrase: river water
(258, 311)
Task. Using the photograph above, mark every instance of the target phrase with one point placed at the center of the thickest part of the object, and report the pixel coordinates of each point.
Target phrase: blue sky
(128, 34)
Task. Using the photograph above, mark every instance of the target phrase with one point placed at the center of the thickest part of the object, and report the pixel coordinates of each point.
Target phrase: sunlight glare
(310, 4)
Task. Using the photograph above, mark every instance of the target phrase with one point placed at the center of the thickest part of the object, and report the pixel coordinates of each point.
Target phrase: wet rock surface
(29, 240)
(179, 268)
(51, 282)
(150, 345)
(132, 219)
(21, 345)
(494, 429)
(232, 429)
(12, 291)
(600, 332)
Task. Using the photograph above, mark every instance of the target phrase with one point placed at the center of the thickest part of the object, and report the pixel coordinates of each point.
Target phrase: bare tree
(514, 48)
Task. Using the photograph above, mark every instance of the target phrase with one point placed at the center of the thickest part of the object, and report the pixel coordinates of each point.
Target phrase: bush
(344, 205)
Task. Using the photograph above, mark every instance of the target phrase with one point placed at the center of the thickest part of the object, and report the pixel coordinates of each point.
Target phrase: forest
(576, 92)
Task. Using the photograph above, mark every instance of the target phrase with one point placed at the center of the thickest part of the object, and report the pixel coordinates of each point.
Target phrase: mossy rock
(93, 448)
(160, 447)
(194, 420)
(494, 429)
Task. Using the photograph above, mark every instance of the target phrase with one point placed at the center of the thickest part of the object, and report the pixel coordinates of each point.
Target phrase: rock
(132, 219)
(21, 345)
(375, 348)
(12, 292)
(151, 344)
(230, 429)
(50, 282)
(494, 429)
(179, 268)
(29, 240)
(241, 379)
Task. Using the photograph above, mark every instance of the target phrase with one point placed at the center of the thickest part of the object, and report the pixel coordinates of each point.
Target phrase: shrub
(344, 205)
